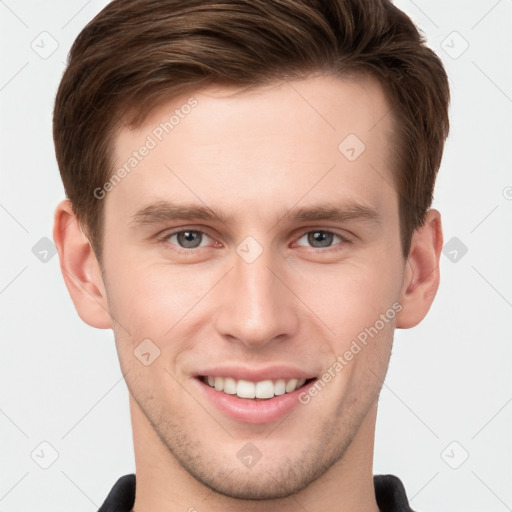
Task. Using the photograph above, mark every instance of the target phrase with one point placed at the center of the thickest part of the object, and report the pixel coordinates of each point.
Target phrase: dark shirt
(389, 492)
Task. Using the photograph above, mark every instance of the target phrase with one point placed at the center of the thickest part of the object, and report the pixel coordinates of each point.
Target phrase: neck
(162, 485)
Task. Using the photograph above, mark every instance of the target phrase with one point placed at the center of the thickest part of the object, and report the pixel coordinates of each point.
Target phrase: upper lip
(252, 374)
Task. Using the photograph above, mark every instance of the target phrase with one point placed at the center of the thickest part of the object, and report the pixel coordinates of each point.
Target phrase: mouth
(254, 401)
(260, 390)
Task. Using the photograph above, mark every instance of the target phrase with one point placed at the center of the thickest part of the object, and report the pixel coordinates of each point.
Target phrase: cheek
(349, 297)
(153, 305)
(151, 300)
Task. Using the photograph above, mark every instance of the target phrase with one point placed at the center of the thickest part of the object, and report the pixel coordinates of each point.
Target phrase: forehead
(272, 145)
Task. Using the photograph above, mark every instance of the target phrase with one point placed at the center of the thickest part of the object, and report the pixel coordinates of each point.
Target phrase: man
(248, 186)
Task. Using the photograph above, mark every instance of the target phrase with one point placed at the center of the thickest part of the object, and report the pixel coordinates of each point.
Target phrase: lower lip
(252, 411)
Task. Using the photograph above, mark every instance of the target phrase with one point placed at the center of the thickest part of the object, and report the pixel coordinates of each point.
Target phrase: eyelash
(344, 239)
(166, 236)
(164, 239)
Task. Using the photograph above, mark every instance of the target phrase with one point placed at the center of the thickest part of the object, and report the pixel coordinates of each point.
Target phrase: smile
(264, 389)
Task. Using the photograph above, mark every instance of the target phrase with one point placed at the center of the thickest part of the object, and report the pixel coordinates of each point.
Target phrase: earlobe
(80, 268)
(421, 275)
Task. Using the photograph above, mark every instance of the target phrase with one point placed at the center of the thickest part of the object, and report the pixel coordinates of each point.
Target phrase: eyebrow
(340, 213)
(164, 211)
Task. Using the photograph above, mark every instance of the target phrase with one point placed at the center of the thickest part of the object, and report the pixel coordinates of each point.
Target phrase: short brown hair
(140, 53)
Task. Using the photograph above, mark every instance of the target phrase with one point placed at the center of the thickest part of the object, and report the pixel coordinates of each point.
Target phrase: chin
(266, 483)
(273, 477)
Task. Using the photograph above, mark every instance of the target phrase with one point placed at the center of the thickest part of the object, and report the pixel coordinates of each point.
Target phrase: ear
(421, 277)
(80, 268)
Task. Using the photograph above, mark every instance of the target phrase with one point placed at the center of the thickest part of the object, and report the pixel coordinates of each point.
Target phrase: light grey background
(448, 392)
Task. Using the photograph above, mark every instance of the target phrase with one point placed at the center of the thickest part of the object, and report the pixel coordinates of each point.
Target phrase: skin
(256, 156)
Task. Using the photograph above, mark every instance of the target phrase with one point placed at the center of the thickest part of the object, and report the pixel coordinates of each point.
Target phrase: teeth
(244, 389)
(219, 383)
(229, 385)
(247, 389)
(280, 387)
(265, 389)
(291, 385)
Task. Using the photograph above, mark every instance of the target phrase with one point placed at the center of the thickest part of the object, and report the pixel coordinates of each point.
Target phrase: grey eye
(320, 238)
(189, 239)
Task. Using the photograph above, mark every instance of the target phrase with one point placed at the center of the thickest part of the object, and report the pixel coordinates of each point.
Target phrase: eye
(188, 238)
(320, 238)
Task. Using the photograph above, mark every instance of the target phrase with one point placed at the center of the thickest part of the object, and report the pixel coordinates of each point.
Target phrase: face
(250, 250)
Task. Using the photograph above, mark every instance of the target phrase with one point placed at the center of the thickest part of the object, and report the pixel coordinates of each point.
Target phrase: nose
(256, 306)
